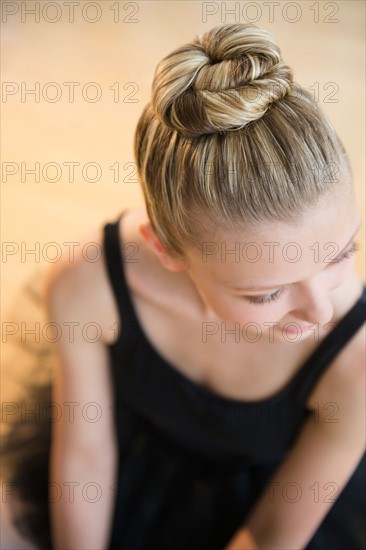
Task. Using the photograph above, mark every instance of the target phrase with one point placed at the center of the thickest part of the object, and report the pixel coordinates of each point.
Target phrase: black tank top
(167, 423)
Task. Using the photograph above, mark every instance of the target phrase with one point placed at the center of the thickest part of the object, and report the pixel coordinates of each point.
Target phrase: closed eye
(265, 298)
(268, 298)
(347, 254)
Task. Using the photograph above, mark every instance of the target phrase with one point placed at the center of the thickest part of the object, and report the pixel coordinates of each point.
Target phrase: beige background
(325, 56)
(326, 51)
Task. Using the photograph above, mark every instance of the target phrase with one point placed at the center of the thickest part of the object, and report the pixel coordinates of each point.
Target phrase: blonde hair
(230, 136)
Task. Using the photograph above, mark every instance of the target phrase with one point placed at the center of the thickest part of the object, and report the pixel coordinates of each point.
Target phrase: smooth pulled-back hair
(229, 140)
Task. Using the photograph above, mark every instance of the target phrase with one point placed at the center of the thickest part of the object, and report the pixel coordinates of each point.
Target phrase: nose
(312, 304)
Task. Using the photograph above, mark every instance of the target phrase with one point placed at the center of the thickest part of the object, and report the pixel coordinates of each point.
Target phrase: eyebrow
(255, 288)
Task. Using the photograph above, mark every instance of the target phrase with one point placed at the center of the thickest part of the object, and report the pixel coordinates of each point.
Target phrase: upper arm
(82, 389)
(318, 466)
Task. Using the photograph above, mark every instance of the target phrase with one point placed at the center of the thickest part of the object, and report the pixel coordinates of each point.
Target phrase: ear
(148, 233)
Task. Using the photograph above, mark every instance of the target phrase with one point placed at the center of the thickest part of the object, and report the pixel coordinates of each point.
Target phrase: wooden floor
(110, 55)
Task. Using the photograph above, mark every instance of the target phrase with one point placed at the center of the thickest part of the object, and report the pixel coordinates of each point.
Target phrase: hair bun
(221, 81)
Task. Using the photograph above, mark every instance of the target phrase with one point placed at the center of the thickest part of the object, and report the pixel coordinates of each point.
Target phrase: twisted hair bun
(221, 81)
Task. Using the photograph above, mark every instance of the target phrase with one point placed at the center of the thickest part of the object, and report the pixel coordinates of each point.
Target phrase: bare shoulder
(78, 298)
(84, 281)
(80, 283)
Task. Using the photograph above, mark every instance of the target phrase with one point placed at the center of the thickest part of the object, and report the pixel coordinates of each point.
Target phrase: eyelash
(276, 295)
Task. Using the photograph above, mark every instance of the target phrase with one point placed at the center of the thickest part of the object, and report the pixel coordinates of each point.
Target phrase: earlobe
(144, 231)
(150, 237)
(157, 248)
(148, 233)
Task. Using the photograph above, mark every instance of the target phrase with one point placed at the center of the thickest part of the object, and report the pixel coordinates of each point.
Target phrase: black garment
(192, 463)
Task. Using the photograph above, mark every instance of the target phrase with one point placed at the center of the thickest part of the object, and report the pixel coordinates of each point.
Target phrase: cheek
(345, 268)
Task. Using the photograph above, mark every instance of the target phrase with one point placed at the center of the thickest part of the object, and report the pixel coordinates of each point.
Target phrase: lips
(295, 329)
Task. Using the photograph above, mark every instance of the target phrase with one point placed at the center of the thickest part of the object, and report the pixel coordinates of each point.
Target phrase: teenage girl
(223, 405)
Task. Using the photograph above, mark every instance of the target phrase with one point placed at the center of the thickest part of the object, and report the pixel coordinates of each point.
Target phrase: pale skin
(310, 280)
(172, 301)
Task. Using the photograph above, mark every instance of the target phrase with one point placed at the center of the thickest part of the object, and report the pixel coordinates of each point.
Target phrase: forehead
(277, 250)
(335, 206)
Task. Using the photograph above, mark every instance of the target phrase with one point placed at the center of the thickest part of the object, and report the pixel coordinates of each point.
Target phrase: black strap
(114, 257)
(322, 358)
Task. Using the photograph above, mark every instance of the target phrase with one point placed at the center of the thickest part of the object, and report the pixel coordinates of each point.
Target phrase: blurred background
(91, 69)
(75, 78)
